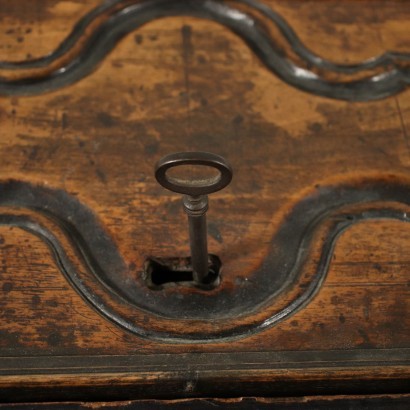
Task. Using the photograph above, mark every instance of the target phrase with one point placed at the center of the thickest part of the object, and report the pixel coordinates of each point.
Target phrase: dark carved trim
(262, 361)
(376, 78)
(106, 285)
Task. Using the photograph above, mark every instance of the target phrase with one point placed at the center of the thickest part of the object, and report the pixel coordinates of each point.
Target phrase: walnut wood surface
(183, 84)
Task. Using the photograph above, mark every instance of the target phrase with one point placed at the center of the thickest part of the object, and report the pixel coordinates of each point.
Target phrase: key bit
(195, 199)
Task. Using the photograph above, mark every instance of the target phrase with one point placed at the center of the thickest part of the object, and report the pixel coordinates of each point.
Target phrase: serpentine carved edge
(80, 53)
(97, 253)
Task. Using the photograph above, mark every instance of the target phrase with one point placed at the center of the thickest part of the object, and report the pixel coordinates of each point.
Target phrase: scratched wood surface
(183, 84)
(378, 402)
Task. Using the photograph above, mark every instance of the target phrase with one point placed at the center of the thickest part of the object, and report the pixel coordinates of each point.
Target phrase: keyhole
(161, 273)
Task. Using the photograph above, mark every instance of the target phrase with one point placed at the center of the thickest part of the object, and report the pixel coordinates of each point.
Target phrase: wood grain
(188, 84)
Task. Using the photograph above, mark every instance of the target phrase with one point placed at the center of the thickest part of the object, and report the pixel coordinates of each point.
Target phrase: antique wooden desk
(307, 100)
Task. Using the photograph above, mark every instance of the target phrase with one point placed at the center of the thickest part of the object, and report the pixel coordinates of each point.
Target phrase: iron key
(195, 199)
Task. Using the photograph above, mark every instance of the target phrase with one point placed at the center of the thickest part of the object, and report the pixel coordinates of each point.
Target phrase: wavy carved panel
(267, 34)
(274, 292)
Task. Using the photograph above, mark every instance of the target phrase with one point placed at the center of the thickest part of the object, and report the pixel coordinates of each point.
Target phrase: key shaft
(196, 208)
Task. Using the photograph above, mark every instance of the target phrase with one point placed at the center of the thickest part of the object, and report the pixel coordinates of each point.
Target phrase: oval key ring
(193, 187)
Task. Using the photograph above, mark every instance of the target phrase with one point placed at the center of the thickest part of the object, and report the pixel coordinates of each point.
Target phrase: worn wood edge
(377, 401)
(189, 382)
(310, 363)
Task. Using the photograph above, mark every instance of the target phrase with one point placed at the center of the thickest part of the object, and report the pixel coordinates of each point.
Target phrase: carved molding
(98, 32)
(283, 285)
